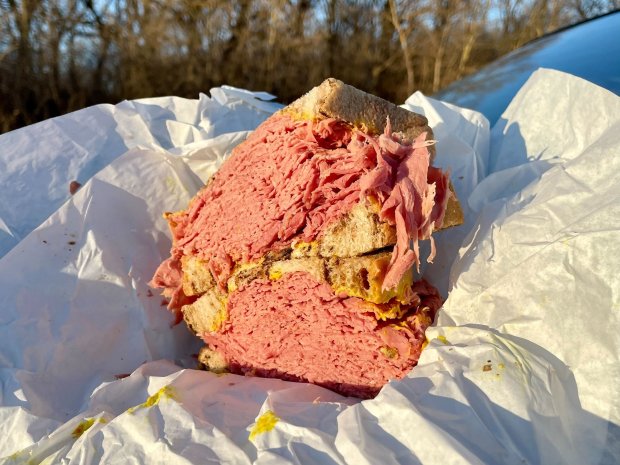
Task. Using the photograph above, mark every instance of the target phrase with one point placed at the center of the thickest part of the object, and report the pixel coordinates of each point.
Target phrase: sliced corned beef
(295, 328)
(290, 180)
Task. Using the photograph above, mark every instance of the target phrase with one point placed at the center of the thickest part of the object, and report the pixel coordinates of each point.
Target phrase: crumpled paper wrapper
(522, 365)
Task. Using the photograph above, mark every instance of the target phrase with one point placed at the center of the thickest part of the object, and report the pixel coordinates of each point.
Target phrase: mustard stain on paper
(24, 457)
(82, 427)
(167, 392)
(489, 368)
(20, 454)
(85, 425)
(265, 423)
(171, 183)
(443, 339)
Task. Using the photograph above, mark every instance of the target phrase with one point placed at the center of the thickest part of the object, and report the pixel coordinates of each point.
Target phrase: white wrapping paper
(522, 365)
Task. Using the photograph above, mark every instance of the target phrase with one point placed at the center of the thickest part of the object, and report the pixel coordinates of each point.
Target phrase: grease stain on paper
(265, 423)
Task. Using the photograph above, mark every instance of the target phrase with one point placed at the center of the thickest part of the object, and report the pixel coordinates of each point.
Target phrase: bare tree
(402, 38)
(589, 8)
(60, 55)
(474, 20)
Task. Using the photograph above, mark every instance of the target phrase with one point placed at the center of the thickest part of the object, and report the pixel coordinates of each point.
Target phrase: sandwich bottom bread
(297, 259)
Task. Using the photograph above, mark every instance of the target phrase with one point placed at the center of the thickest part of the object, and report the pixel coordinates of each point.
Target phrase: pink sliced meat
(290, 180)
(296, 329)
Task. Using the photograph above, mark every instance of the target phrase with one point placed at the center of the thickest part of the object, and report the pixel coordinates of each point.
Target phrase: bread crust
(367, 112)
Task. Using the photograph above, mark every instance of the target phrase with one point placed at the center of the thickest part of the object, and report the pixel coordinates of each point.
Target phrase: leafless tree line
(61, 55)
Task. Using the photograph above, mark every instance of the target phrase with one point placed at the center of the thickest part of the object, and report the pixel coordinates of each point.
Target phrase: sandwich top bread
(295, 260)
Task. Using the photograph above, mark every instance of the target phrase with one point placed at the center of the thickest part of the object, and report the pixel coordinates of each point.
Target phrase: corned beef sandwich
(296, 259)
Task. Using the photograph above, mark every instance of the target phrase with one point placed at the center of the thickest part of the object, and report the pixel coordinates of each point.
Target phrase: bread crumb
(74, 186)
